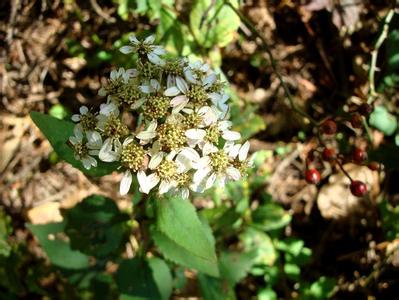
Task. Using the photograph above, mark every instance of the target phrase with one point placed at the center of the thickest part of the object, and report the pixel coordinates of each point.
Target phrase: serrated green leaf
(162, 276)
(384, 121)
(180, 228)
(58, 133)
(270, 216)
(135, 280)
(217, 30)
(57, 249)
(215, 288)
(96, 227)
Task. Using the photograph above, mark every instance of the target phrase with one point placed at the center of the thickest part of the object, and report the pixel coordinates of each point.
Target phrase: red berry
(328, 154)
(358, 188)
(329, 127)
(359, 155)
(365, 109)
(312, 176)
(357, 121)
(374, 166)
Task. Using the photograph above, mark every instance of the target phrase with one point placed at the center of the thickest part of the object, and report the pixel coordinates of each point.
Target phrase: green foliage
(182, 238)
(270, 216)
(5, 231)
(391, 77)
(215, 288)
(58, 249)
(320, 289)
(58, 132)
(96, 227)
(218, 27)
(389, 215)
(385, 122)
(135, 280)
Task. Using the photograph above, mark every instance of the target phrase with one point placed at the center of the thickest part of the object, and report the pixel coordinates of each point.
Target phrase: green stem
(374, 54)
(273, 62)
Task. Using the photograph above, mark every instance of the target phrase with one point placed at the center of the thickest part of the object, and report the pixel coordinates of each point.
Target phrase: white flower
(83, 151)
(213, 168)
(83, 111)
(199, 136)
(153, 52)
(193, 69)
(147, 183)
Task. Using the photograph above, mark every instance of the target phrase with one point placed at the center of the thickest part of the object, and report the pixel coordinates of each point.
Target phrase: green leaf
(270, 216)
(135, 280)
(215, 288)
(219, 30)
(292, 271)
(389, 222)
(261, 243)
(5, 231)
(57, 248)
(393, 50)
(162, 276)
(234, 266)
(170, 29)
(385, 122)
(267, 294)
(320, 289)
(181, 237)
(96, 227)
(58, 133)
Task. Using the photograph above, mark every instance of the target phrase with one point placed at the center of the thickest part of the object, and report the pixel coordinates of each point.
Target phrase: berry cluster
(329, 153)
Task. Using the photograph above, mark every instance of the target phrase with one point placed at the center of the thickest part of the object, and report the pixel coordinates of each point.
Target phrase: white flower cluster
(165, 122)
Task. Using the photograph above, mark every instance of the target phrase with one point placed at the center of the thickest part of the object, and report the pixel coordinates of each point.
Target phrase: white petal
(210, 181)
(158, 50)
(152, 126)
(172, 91)
(149, 39)
(86, 163)
(190, 76)
(209, 80)
(185, 193)
(231, 135)
(155, 160)
(179, 100)
(181, 84)
(155, 84)
(146, 89)
(133, 39)
(147, 182)
(94, 140)
(202, 163)
(146, 135)
(126, 49)
(164, 187)
(233, 173)
(83, 110)
(190, 154)
(200, 174)
(73, 140)
(77, 130)
(233, 151)
(126, 182)
(195, 134)
(155, 59)
(243, 151)
(223, 125)
(76, 118)
(132, 72)
(209, 148)
(106, 154)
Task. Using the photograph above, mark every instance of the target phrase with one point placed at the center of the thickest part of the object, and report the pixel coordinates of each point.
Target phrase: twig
(374, 54)
(101, 13)
(273, 62)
